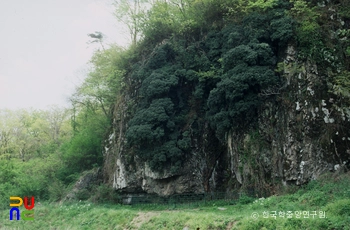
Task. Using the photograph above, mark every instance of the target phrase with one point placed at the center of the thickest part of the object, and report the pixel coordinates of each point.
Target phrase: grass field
(330, 195)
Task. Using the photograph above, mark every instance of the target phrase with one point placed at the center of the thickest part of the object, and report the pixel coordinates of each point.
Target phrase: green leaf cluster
(321, 31)
(154, 128)
(341, 86)
(249, 54)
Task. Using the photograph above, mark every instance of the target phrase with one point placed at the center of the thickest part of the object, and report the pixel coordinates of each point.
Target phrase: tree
(6, 128)
(29, 133)
(57, 124)
(132, 14)
(99, 89)
(308, 29)
(91, 113)
(97, 37)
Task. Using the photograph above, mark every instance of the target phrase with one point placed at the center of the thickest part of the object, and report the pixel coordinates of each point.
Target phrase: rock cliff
(302, 131)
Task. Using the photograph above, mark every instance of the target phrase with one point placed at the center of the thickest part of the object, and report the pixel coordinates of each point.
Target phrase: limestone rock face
(129, 174)
(303, 131)
(301, 135)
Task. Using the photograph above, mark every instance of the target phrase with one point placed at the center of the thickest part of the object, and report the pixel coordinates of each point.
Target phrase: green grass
(329, 194)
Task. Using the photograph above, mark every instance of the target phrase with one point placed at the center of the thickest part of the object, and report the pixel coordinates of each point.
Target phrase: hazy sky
(44, 50)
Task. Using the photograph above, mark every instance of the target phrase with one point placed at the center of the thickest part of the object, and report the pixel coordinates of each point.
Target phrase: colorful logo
(26, 214)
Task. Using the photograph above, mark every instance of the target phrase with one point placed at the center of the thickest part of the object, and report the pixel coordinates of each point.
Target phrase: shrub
(105, 194)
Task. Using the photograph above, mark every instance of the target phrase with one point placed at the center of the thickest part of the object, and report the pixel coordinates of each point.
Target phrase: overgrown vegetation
(329, 194)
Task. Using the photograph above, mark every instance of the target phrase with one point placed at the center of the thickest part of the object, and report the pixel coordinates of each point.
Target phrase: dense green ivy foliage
(154, 129)
(217, 77)
(248, 58)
